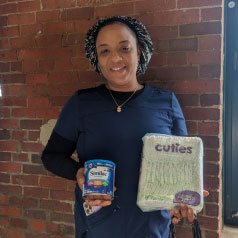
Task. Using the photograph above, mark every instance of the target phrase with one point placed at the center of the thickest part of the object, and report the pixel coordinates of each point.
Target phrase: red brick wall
(42, 63)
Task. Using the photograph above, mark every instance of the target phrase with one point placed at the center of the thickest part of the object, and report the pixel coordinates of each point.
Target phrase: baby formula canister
(99, 178)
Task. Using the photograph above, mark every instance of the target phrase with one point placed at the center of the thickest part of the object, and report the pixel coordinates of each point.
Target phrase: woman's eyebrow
(121, 42)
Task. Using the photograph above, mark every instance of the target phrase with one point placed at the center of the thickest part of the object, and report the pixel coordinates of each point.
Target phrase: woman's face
(118, 56)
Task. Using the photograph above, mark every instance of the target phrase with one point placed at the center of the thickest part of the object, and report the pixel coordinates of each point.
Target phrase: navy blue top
(90, 121)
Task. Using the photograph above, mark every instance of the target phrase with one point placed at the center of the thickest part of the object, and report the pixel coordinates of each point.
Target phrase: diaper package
(171, 172)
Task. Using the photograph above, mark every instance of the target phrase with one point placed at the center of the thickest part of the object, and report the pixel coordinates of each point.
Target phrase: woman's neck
(125, 88)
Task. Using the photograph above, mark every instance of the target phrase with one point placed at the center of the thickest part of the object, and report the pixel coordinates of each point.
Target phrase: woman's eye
(125, 48)
(104, 51)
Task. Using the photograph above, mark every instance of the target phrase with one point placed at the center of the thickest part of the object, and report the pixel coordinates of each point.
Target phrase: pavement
(229, 232)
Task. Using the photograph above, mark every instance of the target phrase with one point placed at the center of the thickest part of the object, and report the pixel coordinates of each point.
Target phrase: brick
(211, 183)
(210, 14)
(58, 28)
(32, 147)
(210, 71)
(9, 31)
(71, 185)
(37, 226)
(53, 183)
(153, 5)
(23, 18)
(30, 124)
(4, 222)
(198, 86)
(35, 214)
(176, 17)
(4, 112)
(77, 14)
(20, 90)
(8, 123)
(14, 101)
(192, 127)
(10, 211)
(52, 4)
(11, 189)
(47, 114)
(33, 29)
(213, 197)
(16, 66)
(22, 42)
(4, 44)
(201, 113)
(63, 77)
(47, 16)
(62, 195)
(4, 67)
(19, 135)
(33, 169)
(4, 178)
(163, 32)
(25, 180)
(48, 40)
(35, 158)
(203, 28)
(36, 192)
(46, 65)
(4, 135)
(73, 39)
(208, 128)
(3, 21)
(59, 101)
(212, 234)
(182, 232)
(5, 156)
(8, 8)
(34, 135)
(36, 78)
(8, 55)
(23, 112)
(61, 217)
(210, 42)
(65, 65)
(178, 73)
(29, 6)
(195, 3)
(146, 18)
(190, 44)
(12, 78)
(11, 233)
(23, 202)
(55, 205)
(158, 60)
(204, 57)
(210, 142)
(177, 58)
(162, 46)
(18, 223)
(9, 167)
(122, 9)
(50, 53)
(82, 26)
(212, 210)
(3, 199)
(211, 155)
(23, 157)
(8, 146)
(38, 102)
(37, 235)
(208, 222)
(209, 100)
(188, 99)
(211, 169)
(60, 229)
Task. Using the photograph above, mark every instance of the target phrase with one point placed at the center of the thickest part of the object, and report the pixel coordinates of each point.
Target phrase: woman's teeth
(116, 69)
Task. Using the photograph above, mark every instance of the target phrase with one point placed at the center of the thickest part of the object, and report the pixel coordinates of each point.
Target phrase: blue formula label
(99, 177)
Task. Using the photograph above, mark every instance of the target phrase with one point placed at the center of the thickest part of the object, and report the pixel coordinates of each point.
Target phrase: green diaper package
(171, 172)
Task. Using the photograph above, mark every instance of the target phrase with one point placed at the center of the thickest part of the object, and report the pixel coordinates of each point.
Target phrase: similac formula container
(99, 178)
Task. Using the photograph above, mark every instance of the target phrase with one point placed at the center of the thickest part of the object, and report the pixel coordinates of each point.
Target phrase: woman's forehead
(116, 32)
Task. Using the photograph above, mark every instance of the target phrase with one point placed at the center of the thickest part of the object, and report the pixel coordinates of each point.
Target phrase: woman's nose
(115, 56)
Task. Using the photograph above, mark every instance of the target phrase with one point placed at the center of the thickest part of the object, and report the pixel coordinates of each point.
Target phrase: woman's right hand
(92, 200)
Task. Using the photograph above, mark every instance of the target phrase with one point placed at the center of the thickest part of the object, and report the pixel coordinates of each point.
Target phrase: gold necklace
(120, 106)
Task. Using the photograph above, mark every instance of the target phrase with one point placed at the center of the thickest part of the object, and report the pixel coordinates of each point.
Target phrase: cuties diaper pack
(171, 172)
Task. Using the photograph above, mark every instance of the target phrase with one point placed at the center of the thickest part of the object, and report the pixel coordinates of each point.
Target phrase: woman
(108, 122)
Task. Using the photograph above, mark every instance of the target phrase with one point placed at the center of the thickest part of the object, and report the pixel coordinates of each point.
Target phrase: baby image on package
(171, 172)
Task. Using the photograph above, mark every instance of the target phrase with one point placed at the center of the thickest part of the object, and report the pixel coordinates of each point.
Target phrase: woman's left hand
(183, 211)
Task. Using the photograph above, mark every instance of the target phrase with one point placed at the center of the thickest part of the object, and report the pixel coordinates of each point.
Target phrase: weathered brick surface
(42, 63)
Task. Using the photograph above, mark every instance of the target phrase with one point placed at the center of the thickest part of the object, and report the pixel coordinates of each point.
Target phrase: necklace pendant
(118, 109)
